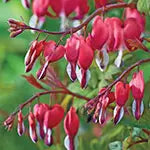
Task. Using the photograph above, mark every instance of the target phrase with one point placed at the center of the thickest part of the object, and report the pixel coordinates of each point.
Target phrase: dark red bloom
(137, 88)
(122, 92)
(71, 126)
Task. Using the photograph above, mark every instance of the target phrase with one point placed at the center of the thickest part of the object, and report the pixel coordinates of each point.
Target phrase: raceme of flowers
(44, 118)
(120, 96)
(108, 35)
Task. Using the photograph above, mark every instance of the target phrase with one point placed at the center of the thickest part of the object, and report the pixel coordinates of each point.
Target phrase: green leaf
(142, 123)
(117, 145)
(144, 6)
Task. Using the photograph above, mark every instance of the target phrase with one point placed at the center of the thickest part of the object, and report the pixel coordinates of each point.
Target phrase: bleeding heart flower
(82, 9)
(40, 7)
(85, 59)
(72, 52)
(122, 92)
(105, 100)
(134, 13)
(137, 88)
(33, 53)
(20, 127)
(32, 127)
(99, 34)
(52, 53)
(71, 126)
(132, 31)
(52, 118)
(39, 112)
(61, 6)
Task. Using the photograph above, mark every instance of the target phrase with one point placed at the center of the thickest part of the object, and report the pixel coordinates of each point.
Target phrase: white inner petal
(31, 135)
(67, 142)
(119, 58)
(120, 115)
(102, 62)
(49, 133)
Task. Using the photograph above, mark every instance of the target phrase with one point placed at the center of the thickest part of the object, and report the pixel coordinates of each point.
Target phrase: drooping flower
(20, 127)
(132, 31)
(122, 92)
(52, 118)
(115, 41)
(137, 88)
(85, 59)
(52, 53)
(32, 127)
(72, 52)
(71, 126)
(105, 100)
(82, 9)
(39, 112)
(134, 13)
(33, 53)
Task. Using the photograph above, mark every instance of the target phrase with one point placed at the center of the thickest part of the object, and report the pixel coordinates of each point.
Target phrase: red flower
(122, 92)
(33, 53)
(137, 87)
(72, 52)
(32, 127)
(20, 128)
(105, 100)
(52, 118)
(40, 7)
(39, 112)
(63, 6)
(134, 13)
(85, 59)
(71, 126)
(52, 53)
(82, 9)
(99, 28)
(132, 31)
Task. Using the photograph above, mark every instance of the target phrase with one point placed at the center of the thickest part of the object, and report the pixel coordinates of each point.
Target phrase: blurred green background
(15, 90)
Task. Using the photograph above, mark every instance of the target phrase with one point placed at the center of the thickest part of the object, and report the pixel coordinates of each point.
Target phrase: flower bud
(122, 92)
(32, 127)
(20, 128)
(85, 59)
(72, 52)
(137, 88)
(71, 126)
